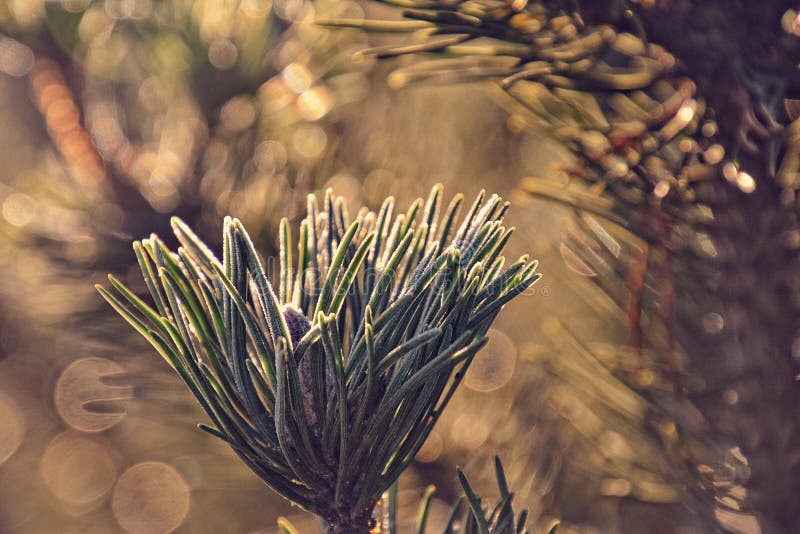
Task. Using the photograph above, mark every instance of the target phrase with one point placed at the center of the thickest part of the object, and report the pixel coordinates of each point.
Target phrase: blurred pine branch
(685, 192)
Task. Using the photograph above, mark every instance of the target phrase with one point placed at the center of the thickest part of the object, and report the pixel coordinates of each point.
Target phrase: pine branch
(328, 388)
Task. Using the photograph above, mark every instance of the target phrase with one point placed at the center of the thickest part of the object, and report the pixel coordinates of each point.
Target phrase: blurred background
(118, 114)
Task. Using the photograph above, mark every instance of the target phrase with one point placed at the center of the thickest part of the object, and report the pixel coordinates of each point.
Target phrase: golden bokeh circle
(82, 383)
(469, 431)
(493, 366)
(150, 498)
(431, 449)
(78, 471)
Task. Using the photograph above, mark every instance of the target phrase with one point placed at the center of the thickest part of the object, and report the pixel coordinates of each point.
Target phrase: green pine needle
(328, 387)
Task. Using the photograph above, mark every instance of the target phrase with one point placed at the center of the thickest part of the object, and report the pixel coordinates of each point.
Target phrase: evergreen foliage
(328, 387)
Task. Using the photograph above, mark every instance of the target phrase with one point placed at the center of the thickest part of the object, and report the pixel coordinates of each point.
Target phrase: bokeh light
(16, 59)
(494, 366)
(83, 386)
(78, 471)
(150, 498)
